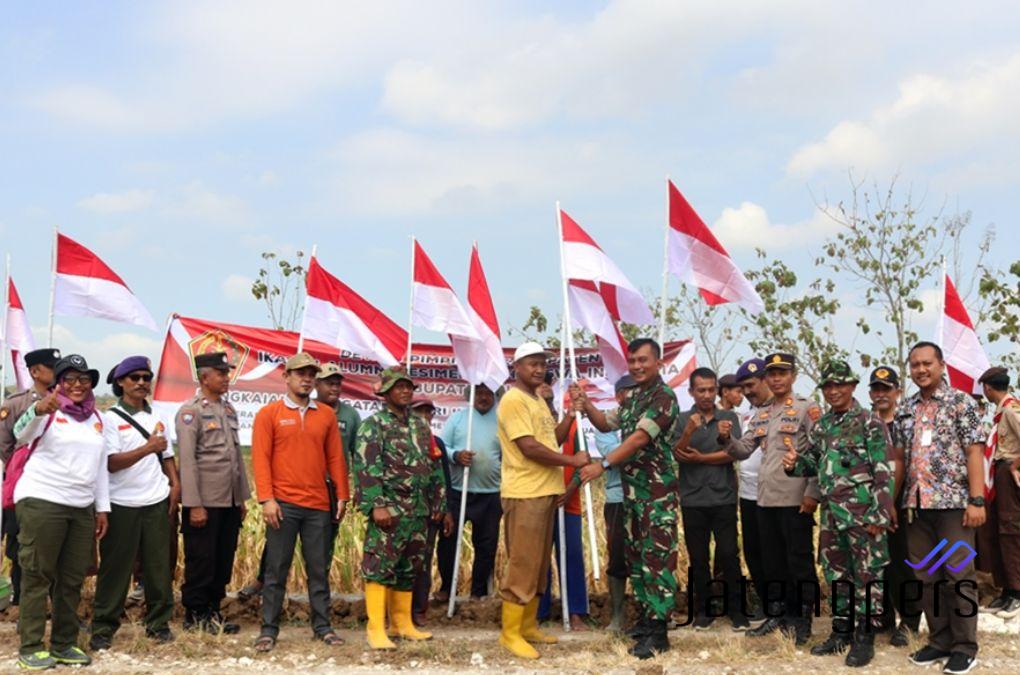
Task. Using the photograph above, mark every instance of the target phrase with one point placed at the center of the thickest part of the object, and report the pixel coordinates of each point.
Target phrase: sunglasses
(71, 380)
(139, 377)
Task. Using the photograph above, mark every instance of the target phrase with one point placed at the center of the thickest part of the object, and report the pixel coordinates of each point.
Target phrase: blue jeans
(577, 581)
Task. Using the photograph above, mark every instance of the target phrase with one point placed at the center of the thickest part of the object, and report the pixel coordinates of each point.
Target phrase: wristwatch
(976, 501)
(605, 464)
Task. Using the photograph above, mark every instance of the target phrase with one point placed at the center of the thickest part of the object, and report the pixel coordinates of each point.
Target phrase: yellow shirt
(522, 415)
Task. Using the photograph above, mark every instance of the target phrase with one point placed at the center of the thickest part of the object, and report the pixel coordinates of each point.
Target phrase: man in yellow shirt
(531, 482)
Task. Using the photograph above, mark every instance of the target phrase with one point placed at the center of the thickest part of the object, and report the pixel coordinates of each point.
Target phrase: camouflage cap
(302, 360)
(329, 369)
(390, 377)
(837, 371)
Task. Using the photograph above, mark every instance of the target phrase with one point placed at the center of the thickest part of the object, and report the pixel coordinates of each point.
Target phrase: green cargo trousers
(134, 530)
(55, 550)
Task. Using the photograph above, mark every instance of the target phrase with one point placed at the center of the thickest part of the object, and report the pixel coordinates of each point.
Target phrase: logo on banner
(218, 340)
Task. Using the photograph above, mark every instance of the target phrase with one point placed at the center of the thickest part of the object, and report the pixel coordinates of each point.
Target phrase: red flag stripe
(573, 232)
(960, 380)
(683, 218)
(954, 306)
(425, 272)
(76, 260)
(478, 296)
(13, 299)
(711, 298)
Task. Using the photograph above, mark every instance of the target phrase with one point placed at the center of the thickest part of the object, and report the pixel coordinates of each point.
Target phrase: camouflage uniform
(849, 452)
(650, 495)
(395, 471)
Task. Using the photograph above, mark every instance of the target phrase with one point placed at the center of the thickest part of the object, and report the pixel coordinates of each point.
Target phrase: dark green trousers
(134, 530)
(55, 550)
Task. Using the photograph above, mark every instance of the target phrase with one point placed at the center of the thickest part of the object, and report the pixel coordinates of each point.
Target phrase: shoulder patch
(4, 412)
(187, 418)
(814, 412)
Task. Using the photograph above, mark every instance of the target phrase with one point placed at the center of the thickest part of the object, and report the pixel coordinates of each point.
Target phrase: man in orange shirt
(295, 443)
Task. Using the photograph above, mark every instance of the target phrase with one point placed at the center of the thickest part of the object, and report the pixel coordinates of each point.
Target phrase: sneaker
(703, 622)
(162, 636)
(739, 623)
(770, 625)
(72, 656)
(137, 595)
(1010, 609)
(995, 605)
(98, 643)
(960, 663)
(36, 661)
(900, 636)
(928, 655)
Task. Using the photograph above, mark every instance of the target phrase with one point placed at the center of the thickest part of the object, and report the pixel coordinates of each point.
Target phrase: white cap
(531, 349)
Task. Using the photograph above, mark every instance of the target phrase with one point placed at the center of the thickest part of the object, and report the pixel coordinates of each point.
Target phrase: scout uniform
(849, 452)
(395, 472)
(788, 555)
(213, 477)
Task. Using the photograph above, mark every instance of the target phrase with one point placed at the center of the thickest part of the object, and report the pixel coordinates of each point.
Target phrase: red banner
(259, 354)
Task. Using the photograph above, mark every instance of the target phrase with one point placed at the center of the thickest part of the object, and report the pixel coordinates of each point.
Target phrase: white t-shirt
(748, 468)
(143, 483)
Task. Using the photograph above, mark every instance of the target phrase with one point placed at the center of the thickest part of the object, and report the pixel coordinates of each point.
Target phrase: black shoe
(161, 636)
(995, 605)
(99, 642)
(1010, 609)
(757, 617)
(195, 620)
(838, 640)
(655, 642)
(739, 623)
(638, 630)
(863, 648)
(900, 636)
(928, 655)
(771, 625)
(960, 663)
(218, 624)
(799, 630)
(703, 622)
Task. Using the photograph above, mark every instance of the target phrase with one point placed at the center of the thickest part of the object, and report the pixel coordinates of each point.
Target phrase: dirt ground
(469, 642)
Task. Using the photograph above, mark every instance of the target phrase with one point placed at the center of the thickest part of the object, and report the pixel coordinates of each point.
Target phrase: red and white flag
(697, 257)
(480, 361)
(86, 286)
(336, 315)
(434, 305)
(18, 336)
(590, 311)
(965, 358)
(585, 260)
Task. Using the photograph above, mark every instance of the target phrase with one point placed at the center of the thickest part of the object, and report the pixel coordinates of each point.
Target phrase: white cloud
(237, 288)
(196, 202)
(118, 202)
(748, 226)
(104, 353)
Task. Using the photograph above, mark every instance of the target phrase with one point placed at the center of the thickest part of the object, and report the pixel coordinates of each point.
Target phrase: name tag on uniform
(788, 428)
(926, 438)
(287, 422)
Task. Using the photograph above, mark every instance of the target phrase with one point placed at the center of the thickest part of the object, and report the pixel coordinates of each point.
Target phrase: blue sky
(179, 140)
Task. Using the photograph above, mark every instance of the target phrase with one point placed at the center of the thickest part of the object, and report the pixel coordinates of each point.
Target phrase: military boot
(863, 649)
(838, 640)
(654, 642)
(639, 629)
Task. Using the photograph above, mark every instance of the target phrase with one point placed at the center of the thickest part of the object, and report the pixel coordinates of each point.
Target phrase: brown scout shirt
(14, 407)
(775, 428)
(1008, 446)
(212, 470)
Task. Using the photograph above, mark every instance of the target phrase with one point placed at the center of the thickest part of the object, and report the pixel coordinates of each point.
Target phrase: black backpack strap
(131, 420)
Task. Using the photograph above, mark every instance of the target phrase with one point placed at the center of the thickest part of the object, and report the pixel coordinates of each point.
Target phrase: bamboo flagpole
(665, 272)
(561, 517)
(463, 504)
(53, 285)
(304, 312)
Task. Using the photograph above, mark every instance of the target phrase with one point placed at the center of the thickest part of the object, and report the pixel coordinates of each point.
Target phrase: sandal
(331, 639)
(249, 591)
(264, 644)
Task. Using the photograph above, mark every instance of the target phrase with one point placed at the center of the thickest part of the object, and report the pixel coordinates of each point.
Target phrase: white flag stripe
(583, 261)
(588, 311)
(333, 325)
(437, 308)
(19, 343)
(100, 298)
(714, 272)
(481, 361)
(963, 350)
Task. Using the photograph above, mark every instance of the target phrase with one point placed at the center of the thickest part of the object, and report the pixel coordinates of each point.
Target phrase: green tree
(1001, 292)
(280, 285)
(718, 331)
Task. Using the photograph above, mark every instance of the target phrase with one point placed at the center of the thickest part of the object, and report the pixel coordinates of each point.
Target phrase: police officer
(786, 505)
(214, 488)
(849, 452)
(40, 367)
(399, 489)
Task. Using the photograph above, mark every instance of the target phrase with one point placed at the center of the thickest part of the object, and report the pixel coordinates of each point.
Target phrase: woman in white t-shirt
(61, 501)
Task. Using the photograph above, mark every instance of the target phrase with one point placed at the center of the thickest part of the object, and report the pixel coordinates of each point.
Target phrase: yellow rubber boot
(400, 617)
(510, 637)
(375, 607)
(529, 627)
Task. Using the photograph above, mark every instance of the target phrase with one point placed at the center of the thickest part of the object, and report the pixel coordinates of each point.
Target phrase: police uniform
(212, 476)
(786, 533)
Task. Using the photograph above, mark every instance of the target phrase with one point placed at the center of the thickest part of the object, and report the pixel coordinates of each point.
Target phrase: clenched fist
(725, 428)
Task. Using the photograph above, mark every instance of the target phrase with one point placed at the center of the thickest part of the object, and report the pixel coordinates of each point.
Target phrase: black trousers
(901, 590)
(752, 546)
(208, 558)
(484, 511)
(702, 524)
(10, 530)
(313, 526)
(616, 541)
(789, 556)
(423, 582)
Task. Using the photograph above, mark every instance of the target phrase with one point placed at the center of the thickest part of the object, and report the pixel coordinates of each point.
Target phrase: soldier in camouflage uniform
(647, 422)
(399, 488)
(849, 452)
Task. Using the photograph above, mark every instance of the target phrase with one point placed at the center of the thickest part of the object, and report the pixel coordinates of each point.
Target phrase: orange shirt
(573, 504)
(291, 455)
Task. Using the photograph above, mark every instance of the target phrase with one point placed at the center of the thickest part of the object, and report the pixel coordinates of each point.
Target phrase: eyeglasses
(71, 380)
(140, 377)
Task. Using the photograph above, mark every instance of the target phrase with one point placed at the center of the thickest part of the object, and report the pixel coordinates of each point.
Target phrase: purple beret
(130, 365)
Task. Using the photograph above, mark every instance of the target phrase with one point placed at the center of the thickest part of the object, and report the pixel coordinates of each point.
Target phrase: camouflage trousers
(394, 557)
(651, 550)
(853, 562)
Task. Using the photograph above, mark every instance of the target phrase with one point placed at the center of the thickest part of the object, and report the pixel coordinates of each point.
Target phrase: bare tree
(281, 286)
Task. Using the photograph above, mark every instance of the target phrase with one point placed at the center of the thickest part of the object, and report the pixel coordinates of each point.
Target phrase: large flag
(589, 311)
(336, 315)
(481, 361)
(434, 305)
(86, 286)
(965, 358)
(585, 260)
(697, 257)
(18, 336)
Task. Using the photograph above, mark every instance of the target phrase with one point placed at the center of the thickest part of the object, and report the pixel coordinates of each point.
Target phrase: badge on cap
(76, 361)
(882, 373)
(777, 359)
(752, 367)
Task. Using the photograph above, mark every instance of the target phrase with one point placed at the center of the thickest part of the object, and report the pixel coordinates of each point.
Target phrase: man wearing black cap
(786, 504)
(214, 488)
(40, 367)
(730, 393)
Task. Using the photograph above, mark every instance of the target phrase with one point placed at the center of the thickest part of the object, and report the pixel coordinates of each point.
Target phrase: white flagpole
(561, 518)
(410, 310)
(53, 285)
(463, 505)
(304, 312)
(582, 445)
(665, 272)
(4, 356)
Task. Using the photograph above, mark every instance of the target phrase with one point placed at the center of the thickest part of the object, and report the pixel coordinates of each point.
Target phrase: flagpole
(582, 445)
(410, 309)
(561, 517)
(53, 285)
(665, 272)
(304, 311)
(3, 338)
(463, 504)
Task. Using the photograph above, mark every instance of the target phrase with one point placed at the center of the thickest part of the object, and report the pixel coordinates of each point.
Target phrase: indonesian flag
(18, 336)
(86, 286)
(585, 260)
(589, 311)
(434, 305)
(336, 315)
(965, 358)
(480, 361)
(697, 257)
